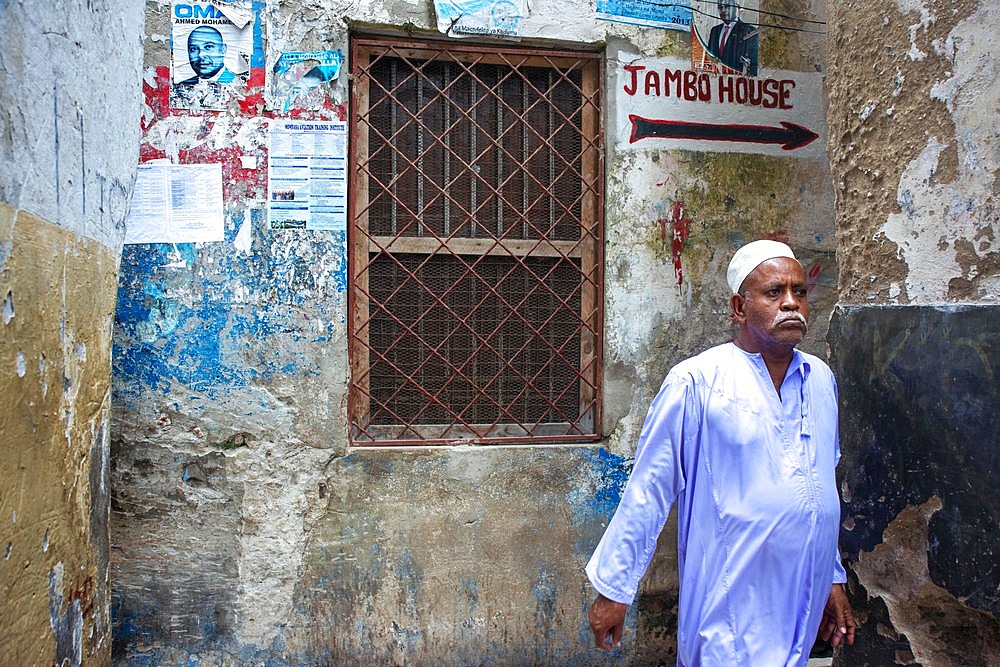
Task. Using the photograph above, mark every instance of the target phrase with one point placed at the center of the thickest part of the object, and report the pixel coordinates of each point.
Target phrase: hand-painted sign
(662, 103)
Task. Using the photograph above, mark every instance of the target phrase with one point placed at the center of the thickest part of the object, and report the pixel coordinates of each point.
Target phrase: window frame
(588, 249)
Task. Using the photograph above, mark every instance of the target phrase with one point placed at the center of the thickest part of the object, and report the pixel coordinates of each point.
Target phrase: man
(207, 56)
(744, 438)
(733, 41)
(212, 85)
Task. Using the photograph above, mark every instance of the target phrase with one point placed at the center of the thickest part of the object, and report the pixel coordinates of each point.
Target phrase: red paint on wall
(157, 97)
(812, 276)
(238, 183)
(680, 229)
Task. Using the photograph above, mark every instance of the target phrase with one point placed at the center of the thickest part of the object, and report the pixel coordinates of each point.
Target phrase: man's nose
(789, 301)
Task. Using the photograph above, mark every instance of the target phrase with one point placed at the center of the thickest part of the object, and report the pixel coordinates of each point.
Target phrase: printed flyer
(176, 203)
(307, 175)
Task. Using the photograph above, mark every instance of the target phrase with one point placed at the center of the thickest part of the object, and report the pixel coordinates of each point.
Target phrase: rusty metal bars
(475, 239)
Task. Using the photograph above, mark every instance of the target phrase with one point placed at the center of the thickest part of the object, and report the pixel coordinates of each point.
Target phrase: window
(475, 244)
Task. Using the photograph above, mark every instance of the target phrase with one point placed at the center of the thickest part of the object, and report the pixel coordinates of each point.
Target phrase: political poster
(298, 77)
(211, 44)
(725, 37)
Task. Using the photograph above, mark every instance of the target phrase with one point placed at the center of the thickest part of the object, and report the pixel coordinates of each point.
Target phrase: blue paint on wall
(257, 59)
(546, 595)
(613, 475)
(212, 319)
(411, 577)
(599, 492)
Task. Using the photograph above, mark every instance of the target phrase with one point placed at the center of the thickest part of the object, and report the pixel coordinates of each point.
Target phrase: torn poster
(648, 13)
(307, 175)
(493, 18)
(176, 203)
(298, 73)
(210, 48)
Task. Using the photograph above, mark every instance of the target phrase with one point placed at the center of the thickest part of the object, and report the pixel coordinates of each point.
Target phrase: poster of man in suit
(725, 38)
(211, 43)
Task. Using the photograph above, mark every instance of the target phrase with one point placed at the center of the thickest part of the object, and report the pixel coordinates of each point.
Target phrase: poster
(491, 18)
(176, 203)
(298, 73)
(307, 175)
(725, 38)
(648, 13)
(210, 48)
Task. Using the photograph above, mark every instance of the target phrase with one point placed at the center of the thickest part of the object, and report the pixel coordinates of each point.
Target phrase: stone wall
(247, 530)
(69, 136)
(915, 151)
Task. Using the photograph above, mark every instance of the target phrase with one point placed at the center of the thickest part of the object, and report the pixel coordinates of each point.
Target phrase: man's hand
(838, 621)
(607, 617)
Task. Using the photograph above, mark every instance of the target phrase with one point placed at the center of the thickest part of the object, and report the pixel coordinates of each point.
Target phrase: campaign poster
(647, 13)
(299, 75)
(210, 48)
(490, 18)
(726, 36)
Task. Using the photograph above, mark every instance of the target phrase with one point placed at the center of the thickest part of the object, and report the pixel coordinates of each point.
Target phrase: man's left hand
(838, 621)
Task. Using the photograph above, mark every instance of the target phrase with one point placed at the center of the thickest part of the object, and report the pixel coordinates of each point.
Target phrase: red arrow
(790, 136)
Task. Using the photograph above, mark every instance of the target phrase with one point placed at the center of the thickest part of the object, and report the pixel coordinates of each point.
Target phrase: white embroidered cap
(750, 256)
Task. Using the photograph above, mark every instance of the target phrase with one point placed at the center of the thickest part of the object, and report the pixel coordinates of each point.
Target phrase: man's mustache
(792, 317)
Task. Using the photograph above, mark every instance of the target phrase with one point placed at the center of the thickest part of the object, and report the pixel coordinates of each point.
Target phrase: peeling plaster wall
(915, 145)
(68, 139)
(68, 124)
(915, 153)
(246, 531)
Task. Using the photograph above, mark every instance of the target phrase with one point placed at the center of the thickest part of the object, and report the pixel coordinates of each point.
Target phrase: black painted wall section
(920, 428)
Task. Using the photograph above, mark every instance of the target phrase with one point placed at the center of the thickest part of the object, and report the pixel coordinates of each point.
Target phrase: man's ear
(737, 306)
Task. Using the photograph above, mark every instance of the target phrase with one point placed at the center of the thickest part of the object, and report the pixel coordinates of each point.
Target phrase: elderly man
(744, 438)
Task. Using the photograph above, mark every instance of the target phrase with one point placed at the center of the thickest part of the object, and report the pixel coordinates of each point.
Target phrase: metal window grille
(475, 244)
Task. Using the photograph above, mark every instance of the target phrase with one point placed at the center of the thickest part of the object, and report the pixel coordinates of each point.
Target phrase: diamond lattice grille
(475, 265)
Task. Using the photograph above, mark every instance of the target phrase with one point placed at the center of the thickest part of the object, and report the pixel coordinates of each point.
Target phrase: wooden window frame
(586, 251)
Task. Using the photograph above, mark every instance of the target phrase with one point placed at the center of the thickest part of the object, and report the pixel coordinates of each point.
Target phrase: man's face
(206, 52)
(775, 311)
(727, 11)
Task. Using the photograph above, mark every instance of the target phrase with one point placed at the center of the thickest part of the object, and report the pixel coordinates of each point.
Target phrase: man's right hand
(607, 617)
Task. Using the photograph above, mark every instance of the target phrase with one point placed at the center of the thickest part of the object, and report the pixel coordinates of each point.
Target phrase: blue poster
(669, 15)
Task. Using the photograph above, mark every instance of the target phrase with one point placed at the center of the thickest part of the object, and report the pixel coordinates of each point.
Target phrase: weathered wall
(244, 528)
(915, 152)
(68, 139)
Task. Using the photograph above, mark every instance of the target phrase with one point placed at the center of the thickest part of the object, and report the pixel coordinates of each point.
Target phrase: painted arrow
(790, 136)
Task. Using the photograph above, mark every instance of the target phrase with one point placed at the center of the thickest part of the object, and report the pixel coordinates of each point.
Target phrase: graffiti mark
(680, 229)
(812, 276)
